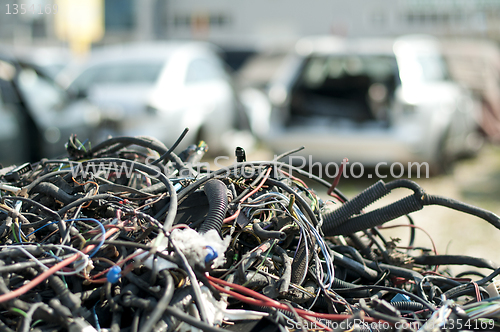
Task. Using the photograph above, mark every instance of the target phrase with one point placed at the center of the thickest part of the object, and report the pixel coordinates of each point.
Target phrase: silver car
(371, 101)
(158, 89)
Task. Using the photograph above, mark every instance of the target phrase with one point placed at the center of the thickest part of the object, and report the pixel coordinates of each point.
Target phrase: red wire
(261, 303)
(236, 214)
(231, 218)
(294, 178)
(33, 283)
(413, 226)
(476, 288)
(337, 178)
(266, 301)
(119, 263)
(258, 186)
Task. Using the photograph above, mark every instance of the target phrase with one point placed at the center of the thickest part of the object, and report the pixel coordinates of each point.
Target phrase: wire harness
(129, 236)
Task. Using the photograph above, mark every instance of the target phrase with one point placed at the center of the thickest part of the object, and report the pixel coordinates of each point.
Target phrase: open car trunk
(345, 87)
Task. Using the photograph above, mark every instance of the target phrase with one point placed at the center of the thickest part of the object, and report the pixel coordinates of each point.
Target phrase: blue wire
(95, 317)
(20, 238)
(102, 230)
(36, 230)
(320, 242)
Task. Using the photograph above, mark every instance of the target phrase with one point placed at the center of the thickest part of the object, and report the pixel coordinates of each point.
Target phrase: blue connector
(114, 274)
(401, 298)
(211, 254)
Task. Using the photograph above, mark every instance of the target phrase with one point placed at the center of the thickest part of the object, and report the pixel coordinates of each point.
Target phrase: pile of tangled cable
(130, 236)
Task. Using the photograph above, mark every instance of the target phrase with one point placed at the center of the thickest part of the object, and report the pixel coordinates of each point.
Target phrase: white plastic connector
(493, 288)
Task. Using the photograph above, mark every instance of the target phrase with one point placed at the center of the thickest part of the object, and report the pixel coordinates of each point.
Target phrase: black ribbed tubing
(216, 192)
(354, 206)
(377, 217)
(407, 305)
(341, 286)
(299, 263)
(465, 289)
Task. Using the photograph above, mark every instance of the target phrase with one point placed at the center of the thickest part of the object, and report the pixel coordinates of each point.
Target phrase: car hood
(119, 101)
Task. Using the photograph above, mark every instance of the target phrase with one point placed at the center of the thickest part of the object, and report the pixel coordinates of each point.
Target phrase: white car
(158, 89)
(369, 100)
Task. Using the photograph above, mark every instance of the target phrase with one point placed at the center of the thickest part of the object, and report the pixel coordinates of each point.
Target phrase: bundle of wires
(130, 236)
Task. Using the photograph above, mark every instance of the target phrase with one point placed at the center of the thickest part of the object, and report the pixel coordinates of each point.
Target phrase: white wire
(59, 246)
(304, 224)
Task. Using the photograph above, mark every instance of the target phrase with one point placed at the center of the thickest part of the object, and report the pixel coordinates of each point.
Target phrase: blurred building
(260, 23)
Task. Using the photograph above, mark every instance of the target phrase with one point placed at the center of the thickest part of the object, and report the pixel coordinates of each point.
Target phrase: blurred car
(476, 64)
(36, 115)
(253, 80)
(158, 89)
(369, 100)
(47, 60)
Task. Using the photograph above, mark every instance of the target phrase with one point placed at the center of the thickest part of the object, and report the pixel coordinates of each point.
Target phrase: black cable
(41, 207)
(191, 320)
(398, 290)
(465, 289)
(41, 179)
(490, 217)
(167, 154)
(264, 234)
(249, 188)
(361, 269)
(470, 273)
(20, 266)
(376, 314)
(54, 191)
(287, 153)
(286, 276)
(412, 231)
(352, 252)
(489, 277)
(162, 303)
(123, 141)
(400, 272)
(455, 260)
(82, 200)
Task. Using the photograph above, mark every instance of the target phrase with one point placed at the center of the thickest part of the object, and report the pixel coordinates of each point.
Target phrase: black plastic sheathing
(299, 264)
(216, 192)
(54, 191)
(407, 305)
(377, 217)
(455, 260)
(354, 206)
(463, 207)
(265, 234)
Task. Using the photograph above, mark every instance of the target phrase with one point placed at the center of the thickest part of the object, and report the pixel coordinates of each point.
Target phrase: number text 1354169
(23, 8)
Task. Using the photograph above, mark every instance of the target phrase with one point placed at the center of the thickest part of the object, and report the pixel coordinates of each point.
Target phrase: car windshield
(119, 73)
(356, 87)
